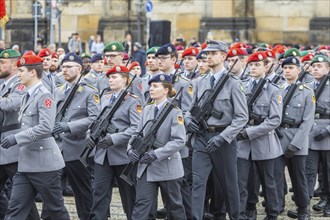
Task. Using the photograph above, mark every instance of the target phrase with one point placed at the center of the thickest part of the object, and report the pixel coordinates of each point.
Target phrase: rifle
(61, 112)
(176, 72)
(254, 96)
(142, 144)
(4, 128)
(320, 110)
(243, 74)
(202, 112)
(286, 100)
(102, 125)
(190, 76)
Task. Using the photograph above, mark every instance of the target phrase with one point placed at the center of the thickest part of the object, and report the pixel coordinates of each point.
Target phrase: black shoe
(207, 216)
(38, 198)
(326, 212)
(290, 189)
(304, 213)
(318, 192)
(220, 217)
(270, 218)
(161, 213)
(292, 214)
(320, 206)
(251, 214)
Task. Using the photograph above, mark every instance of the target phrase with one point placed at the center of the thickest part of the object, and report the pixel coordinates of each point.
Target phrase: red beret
(238, 45)
(280, 50)
(126, 56)
(237, 52)
(54, 55)
(270, 53)
(117, 69)
(204, 45)
(191, 51)
(308, 57)
(44, 52)
(256, 57)
(323, 47)
(135, 63)
(29, 52)
(29, 60)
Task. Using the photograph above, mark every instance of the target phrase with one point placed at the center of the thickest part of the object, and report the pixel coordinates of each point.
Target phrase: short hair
(39, 69)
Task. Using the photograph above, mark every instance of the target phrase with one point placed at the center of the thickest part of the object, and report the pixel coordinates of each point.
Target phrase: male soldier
(82, 110)
(216, 146)
(167, 56)
(54, 70)
(11, 92)
(190, 62)
(240, 68)
(306, 60)
(96, 77)
(86, 59)
(203, 67)
(297, 121)
(47, 77)
(319, 139)
(40, 160)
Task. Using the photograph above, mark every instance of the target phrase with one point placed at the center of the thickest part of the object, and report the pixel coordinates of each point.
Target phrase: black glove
(242, 135)
(148, 157)
(323, 134)
(61, 127)
(133, 155)
(193, 126)
(290, 151)
(105, 142)
(8, 142)
(215, 143)
(90, 142)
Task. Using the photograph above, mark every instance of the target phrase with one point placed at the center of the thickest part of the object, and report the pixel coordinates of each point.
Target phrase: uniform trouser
(296, 166)
(217, 201)
(224, 163)
(265, 169)
(253, 188)
(25, 188)
(104, 176)
(7, 172)
(313, 160)
(146, 193)
(3, 204)
(80, 180)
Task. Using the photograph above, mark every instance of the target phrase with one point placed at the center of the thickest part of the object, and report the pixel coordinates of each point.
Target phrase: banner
(3, 14)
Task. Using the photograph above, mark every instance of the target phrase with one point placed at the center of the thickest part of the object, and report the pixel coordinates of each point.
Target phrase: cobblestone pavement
(118, 214)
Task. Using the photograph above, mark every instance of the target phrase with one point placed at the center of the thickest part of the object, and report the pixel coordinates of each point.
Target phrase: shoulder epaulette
(151, 103)
(132, 95)
(307, 87)
(183, 77)
(90, 75)
(233, 76)
(92, 87)
(61, 87)
(273, 84)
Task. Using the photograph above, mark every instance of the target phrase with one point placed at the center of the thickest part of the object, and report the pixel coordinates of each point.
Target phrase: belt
(321, 116)
(254, 122)
(289, 126)
(216, 129)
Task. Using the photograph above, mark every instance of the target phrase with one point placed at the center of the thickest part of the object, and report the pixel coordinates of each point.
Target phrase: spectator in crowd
(140, 56)
(74, 44)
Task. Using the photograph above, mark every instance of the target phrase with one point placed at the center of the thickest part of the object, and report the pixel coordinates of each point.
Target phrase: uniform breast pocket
(223, 100)
(33, 116)
(261, 107)
(78, 112)
(298, 110)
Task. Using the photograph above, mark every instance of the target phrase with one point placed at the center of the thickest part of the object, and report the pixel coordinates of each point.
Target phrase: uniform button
(22, 123)
(262, 104)
(299, 105)
(78, 106)
(23, 114)
(287, 106)
(30, 112)
(41, 148)
(169, 158)
(286, 113)
(270, 133)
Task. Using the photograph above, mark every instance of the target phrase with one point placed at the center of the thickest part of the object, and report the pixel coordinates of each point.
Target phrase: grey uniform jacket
(319, 124)
(263, 143)
(38, 151)
(98, 80)
(10, 106)
(301, 108)
(172, 133)
(230, 101)
(81, 112)
(48, 81)
(125, 119)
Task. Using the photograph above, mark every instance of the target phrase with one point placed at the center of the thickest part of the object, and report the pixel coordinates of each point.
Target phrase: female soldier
(160, 166)
(110, 157)
(258, 142)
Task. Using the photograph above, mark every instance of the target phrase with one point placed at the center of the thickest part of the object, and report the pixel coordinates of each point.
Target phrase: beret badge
(118, 68)
(162, 77)
(260, 57)
(22, 61)
(71, 58)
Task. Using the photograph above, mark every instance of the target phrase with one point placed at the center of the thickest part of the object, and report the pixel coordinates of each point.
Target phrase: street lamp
(60, 8)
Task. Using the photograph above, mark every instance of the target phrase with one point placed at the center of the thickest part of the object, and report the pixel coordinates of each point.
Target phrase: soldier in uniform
(82, 110)
(216, 146)
(86, 58)
(160, 167)
(297, 121)
(260, 132)
(40, 160)
(47, 78)
(111, 157)
(190, 62)
(54, 70)
(135, 68)
(239, 69)
(319, 138)
(11, 92)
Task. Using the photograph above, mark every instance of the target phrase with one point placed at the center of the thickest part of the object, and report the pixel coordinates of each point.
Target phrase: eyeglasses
(111, 55)
(162, 58)
(69, 67)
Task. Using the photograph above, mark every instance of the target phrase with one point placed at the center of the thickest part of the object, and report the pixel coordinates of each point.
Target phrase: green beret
(292, 52)
(85, 55)
(303, 53)
(152, 50)
(9, 53)
(320, 59)
(114, 46)
(264, 45)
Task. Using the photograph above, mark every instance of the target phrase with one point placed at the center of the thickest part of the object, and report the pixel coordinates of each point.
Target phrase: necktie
(27, 97)
(317, 85)
(155, 112)
(212, 80)
(67, 91)
(254, 85)
(112, 99)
